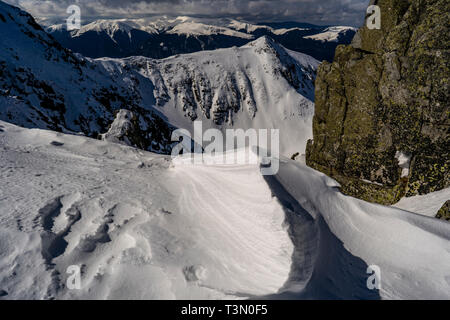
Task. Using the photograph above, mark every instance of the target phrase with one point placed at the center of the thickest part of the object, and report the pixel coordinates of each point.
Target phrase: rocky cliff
(381, 124)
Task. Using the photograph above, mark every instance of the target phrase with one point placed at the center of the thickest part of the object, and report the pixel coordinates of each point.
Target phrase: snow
(144, 226)
(119, 128)
(412, 251)
(157, 231)
(200, 29)
(111, 27)
(286, 30)
(330, 33)
(249, 77)
(404, 160)
(428, 204)
(247, 27)
(56, 27)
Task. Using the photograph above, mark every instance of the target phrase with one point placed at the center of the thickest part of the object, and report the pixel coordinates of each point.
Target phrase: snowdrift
(142, 226)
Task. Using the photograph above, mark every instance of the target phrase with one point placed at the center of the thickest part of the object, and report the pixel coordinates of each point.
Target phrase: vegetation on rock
(387, 92)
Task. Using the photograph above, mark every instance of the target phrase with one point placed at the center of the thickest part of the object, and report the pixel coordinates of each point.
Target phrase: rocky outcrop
(137, 130)
(260, 85)
(47, 86)
(444, 212)
(220, 84)
(381, 124)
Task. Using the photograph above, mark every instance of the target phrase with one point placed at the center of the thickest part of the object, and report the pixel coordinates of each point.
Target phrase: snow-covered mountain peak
(264, 41)
(196, 29)
(247, 27)
(56, 28)
(261, 85)
(332, 34)
(266, 45)
(45, 85)
(111, 27)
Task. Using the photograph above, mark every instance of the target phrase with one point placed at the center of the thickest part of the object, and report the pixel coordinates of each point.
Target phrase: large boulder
(381, 124)
(138, 131)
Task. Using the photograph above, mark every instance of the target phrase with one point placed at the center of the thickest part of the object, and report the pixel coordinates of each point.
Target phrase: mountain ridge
(45, 85)
(163, 37)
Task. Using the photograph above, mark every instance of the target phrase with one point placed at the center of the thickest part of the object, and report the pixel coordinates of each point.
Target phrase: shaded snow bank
(412, 251)
(428, 204)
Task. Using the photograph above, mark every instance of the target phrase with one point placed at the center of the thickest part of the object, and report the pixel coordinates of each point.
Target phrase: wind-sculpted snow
(411, 250)
(139, 225)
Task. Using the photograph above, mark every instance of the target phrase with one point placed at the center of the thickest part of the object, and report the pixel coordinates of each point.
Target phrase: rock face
(137, 131)
(47, 86)
(260, 85)
(219, 84)
(381, 124)
(444, 212)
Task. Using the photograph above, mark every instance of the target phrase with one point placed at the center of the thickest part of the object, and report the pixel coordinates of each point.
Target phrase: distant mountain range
(259, 85)
(164, 37)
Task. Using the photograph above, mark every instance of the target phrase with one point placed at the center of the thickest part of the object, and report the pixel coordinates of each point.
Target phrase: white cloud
(350, 12)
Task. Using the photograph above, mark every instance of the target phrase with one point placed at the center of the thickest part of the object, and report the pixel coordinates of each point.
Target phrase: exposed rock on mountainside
(220, 83)
(134, 130)
(444, 212)
(381, 124)
(45, 85)
(261, 85)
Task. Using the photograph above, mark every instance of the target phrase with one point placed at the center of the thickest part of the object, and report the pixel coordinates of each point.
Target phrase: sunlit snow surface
(143, 226)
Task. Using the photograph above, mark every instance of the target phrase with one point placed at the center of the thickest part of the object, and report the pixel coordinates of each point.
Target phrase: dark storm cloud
(349, 12)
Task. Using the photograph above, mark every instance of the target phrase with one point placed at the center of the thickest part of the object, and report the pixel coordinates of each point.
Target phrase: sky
(321, 12)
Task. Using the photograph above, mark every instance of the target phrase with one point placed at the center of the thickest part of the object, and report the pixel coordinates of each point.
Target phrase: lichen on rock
(444, 212)
(387, 92)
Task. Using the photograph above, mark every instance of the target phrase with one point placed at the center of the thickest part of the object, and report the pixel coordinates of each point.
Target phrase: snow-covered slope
(285, 30)
(412, 251)
(113, 26)
(428, 204)
(68, 200)
(197, 29)
(138, 225)
(261, 85)
(247, 27)
(45, 85)
(332, 34)
(161, 36)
